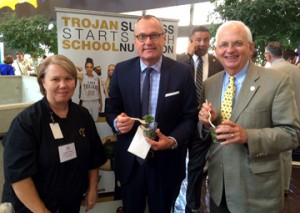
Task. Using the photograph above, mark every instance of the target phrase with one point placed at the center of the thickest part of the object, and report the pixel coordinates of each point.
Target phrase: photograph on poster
(89, 89)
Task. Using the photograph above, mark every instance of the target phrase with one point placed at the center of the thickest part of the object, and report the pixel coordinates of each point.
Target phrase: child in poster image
(90, 90)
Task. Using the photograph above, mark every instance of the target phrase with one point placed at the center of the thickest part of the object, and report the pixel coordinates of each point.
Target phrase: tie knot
(148, 70)
(200, 60)
(231, 81)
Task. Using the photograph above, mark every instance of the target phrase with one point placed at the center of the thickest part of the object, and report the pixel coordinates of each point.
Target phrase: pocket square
(172, 93)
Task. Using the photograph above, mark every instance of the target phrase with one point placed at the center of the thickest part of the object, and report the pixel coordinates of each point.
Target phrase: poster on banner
(106, 38)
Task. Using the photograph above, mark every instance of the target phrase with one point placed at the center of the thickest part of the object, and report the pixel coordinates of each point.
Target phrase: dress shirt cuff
(175, 143)
(115, 126)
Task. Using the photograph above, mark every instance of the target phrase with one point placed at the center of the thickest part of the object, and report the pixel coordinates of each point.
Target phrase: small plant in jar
(149, 128)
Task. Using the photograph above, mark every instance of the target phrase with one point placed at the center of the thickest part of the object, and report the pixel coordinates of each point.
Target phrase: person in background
(90, 90)
(290, 56)
(274, 55)
(21, 65)
(254, 55)
(7, 68)
(52, 150)
(256, 119)
(173, 104)
(190, 196)
(106, 83)
(98, 70)
(43, 58)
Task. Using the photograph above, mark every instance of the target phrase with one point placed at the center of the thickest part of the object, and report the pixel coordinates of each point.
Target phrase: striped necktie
(227, 104)
(199, 79)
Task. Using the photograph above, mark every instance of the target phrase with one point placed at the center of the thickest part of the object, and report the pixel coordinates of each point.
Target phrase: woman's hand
(90, 199)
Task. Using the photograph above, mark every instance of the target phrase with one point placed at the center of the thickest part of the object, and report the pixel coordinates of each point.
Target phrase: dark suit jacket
(214, 66)
(176, 115)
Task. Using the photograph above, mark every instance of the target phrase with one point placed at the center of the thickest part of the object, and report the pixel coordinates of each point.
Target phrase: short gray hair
(246, 28)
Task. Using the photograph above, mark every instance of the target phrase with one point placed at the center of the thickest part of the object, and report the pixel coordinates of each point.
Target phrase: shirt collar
(277, 60)
(196, 58)
(156, 66)
(240, 76)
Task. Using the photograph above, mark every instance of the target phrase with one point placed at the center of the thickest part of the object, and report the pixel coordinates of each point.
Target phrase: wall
(11, 89)
(16, 94)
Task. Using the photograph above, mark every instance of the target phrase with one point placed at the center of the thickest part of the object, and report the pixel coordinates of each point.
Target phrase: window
(202, 14)
(134, 13)
(182, 13)
(182, 44)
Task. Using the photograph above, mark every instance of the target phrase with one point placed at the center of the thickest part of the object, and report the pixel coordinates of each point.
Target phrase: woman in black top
(52, 151)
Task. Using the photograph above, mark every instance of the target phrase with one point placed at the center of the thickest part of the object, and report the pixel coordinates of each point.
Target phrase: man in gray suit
(244, 160)
(190, 196)
(274, 55)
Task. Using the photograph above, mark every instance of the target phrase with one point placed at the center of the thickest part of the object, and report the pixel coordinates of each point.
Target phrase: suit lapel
(248, 89)
(163, 84)
(213, 65)
(136, 88)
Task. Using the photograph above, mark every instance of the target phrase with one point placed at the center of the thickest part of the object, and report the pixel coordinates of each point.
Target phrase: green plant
(149, 128)
(148, 119)
(32, 35)
(268, 20)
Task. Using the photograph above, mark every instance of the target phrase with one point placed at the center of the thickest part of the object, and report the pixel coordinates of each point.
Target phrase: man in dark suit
(258, 122)
(172, 102)
(198, 48)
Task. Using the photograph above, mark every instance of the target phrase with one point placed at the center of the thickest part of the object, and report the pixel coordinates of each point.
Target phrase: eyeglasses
(153, 36)
(235, 44)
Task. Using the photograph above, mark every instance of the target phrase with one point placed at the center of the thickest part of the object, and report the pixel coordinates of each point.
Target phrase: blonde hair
(60, 60)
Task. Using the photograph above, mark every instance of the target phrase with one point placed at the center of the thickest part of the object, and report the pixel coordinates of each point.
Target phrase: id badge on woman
(66, 152)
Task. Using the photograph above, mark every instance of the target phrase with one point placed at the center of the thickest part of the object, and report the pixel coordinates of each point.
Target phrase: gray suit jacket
(294, 74)
(250, 173)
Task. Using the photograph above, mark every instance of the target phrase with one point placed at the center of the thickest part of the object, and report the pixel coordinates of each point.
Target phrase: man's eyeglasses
(235, 44)
(153, 36)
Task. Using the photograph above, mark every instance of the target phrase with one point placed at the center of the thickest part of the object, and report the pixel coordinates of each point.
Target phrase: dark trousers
(222, 208)
(146, 184)
(197, 158)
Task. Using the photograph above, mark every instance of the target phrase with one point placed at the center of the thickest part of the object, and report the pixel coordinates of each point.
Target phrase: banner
(107, 38)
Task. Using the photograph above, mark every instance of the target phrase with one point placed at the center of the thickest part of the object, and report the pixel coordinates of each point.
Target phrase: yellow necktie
(227, 104)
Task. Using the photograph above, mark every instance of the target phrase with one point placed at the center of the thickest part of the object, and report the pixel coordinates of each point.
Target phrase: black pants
(197, 158)
(222, 208)
(145, 184)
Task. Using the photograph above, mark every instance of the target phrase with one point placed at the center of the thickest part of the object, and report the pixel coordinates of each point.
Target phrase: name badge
(67, 152)
(57, 134)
